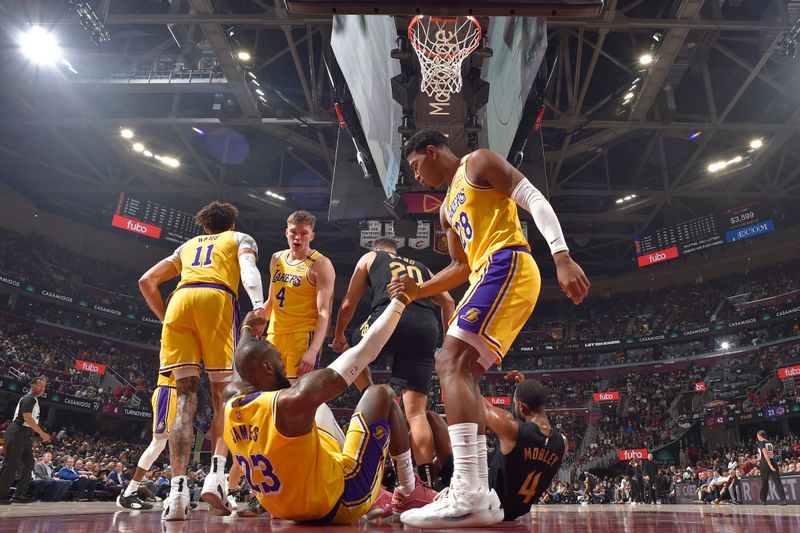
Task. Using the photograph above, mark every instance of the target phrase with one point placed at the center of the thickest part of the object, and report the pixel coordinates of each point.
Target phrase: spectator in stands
(45, 486)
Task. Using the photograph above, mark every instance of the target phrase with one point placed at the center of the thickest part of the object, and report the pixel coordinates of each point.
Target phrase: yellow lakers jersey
(212, 259)
(294, 478)
(484, 219)
(166, 379)
(294, 297)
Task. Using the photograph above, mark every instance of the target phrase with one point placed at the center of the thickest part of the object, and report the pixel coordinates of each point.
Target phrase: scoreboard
(710, 230)
(152, 219)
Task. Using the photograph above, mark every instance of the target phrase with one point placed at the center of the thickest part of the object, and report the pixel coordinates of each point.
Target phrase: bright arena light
(755, 144)
(40, 46)
(628, 96)
(126, 133)
(147, 153)
(645, 59)
(243, 56)
(138, 147)
(725, 345)
(170, 161)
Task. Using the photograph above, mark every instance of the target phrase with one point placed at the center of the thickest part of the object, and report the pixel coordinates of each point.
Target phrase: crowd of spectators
(665, 310)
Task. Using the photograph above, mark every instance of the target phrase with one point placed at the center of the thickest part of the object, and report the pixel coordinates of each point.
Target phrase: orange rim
(465, 52)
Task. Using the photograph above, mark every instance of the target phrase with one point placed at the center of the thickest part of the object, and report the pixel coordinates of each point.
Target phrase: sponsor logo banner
(657, 257)
(9, 281)
(789, 372)
(370, 230)
(750, 231)
(439, 239)
(499, 400)
(612, 396)
(686, 492)
(700, 386)
(637, 453)
(134, 226)
(88, 366)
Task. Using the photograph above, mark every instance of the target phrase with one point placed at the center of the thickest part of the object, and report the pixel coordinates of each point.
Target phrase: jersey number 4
(400, 268)
(528, 488)
(260, 466)
(281, 297)
(199, 252)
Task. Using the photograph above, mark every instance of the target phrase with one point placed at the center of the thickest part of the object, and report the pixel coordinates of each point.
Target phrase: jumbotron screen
(710, 230)
(146, 217)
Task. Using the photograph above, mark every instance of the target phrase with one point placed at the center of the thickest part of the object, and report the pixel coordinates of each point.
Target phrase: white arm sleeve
(529, 198)
(251, 279)
(350, 364)
(245, 242)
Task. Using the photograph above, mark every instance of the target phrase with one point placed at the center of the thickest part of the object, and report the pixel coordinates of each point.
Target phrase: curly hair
(302, 217)
(217, 217)
(422, 139)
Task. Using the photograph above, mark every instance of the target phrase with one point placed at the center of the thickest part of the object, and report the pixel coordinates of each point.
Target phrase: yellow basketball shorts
(362, 460)
(292, 346)
(201, 324)
(499, 301)
(163, 402)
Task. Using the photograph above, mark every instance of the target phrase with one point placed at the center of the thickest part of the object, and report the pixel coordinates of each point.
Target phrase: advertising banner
(612, 396)
(499, 400)
(88, 366)
(750, 490)
(637, 453)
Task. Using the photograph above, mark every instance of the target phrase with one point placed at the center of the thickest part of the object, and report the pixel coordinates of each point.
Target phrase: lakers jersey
(212, 259)
(484, 219)
(166, 379)
(294, 478)
(294, 297)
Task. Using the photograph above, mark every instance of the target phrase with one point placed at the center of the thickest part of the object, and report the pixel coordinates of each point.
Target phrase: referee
(413, 343)
(768, 468)
(19, 444)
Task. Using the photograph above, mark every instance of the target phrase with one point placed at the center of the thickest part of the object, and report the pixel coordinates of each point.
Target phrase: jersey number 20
(413, 271)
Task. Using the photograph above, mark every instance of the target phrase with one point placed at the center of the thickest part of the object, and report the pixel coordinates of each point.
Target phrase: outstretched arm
(503, 423)
(453, 275)
(299, 402)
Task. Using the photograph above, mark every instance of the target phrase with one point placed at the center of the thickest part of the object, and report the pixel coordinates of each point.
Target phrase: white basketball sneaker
(456, 506)
(215, 494)
(176, 506)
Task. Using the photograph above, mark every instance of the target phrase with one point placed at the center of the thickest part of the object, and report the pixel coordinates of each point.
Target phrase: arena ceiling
(719, 78)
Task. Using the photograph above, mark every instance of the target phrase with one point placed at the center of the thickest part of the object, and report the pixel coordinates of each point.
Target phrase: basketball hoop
(441, 45)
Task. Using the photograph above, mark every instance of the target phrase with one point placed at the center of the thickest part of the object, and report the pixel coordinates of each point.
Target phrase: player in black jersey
(413, 343)
(530, 451)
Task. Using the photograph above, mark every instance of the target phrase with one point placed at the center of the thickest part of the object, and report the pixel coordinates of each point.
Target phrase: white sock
(218, 464)
(405, 473)
(132, 487)
(464, 441)
(483, 462)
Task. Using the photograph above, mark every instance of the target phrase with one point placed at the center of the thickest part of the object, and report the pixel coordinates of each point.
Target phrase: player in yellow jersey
(163, 403)
(487, 247)
(294, 465)
(300, 297)
(201, 324)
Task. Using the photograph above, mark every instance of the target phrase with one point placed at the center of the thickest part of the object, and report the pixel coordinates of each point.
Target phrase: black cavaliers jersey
(521, 477)
(387, 266)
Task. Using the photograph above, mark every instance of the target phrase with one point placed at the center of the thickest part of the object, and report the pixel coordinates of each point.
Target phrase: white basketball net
(441, 45)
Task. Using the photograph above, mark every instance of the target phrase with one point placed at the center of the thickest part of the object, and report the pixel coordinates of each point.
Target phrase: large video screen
(152, 219)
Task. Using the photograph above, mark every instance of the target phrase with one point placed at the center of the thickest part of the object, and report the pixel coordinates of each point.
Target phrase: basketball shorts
(362, 459)
(499, 301)
(201, 324)
(163, 402)
(412, 347)
(292, 346)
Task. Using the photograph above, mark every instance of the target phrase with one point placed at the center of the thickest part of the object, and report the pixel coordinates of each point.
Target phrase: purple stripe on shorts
(474, 314)
(162, 409)
(358, 488)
